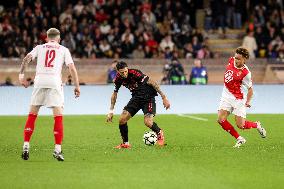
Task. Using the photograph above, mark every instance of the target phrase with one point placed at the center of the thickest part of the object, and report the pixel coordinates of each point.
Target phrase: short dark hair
(120, 65)
(243, 51)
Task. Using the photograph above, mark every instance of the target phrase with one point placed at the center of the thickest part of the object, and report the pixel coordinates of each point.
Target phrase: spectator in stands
(69, 42)
(249, 43)
(271, 51)
(281, 55)
(176, 73)
(105, 48)
(208, 19)
(167, 42)
(239, 11)
(138, 52)
(148, 52)
(171, 23)
(188, 51)
(198, 75)
(204, 52)
(196, 44)
(166, 74)
(111, 73)
(8, 82)
(151, 42)
(127, 47)
(168, 54)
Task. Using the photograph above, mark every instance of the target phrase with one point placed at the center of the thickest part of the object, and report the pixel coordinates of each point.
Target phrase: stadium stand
(95, 71)
(155, 30)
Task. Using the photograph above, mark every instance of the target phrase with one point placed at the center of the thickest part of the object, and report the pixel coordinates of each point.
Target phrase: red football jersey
(235, 79)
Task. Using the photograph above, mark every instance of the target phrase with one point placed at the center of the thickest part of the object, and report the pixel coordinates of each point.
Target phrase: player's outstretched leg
(256, 125)
(58, 136)
(226, 125)
(28, 131)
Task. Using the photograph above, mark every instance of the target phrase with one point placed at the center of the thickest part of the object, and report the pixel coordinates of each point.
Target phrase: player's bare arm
(156, 86)
(112, 104)
(249, 97)
(73, 72)
(28, 58)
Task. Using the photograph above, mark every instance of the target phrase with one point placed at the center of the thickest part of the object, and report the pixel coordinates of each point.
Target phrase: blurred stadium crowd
(138, 28)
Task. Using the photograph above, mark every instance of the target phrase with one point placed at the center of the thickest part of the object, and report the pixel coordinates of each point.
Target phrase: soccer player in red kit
(48, 90)
(237, 79)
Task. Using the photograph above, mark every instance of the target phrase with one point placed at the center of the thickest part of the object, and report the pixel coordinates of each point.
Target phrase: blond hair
(52, 33)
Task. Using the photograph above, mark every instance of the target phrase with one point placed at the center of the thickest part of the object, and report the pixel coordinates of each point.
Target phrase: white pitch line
(193, 117)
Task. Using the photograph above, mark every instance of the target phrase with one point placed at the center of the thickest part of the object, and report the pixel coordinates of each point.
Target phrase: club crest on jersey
(239, 73)
(228, 76)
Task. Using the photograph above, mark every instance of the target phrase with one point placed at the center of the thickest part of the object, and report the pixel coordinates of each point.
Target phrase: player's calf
(226, 125)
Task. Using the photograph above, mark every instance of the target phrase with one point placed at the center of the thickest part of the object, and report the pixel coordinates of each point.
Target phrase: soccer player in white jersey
(235, 99)
(48, 90)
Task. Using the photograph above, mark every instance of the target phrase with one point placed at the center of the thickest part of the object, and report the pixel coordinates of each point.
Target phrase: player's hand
(22, 81)
(248, 105)
(25, 84)
(109, 117)
(77, 92)
(166, 103)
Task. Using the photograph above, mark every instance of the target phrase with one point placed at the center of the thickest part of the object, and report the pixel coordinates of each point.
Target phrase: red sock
(249, 125)
(229, 128)
(58, 129)
(29, 127)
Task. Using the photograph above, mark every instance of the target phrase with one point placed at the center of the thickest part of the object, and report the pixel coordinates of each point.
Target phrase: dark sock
(124, 132)
(155, 128)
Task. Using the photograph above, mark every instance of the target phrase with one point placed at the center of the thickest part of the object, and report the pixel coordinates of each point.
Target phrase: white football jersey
(50, 58)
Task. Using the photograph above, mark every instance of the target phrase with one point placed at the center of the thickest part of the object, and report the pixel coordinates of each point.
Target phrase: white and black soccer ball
(150, 138)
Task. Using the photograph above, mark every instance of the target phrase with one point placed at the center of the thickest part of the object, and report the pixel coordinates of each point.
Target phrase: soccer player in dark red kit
(143, 90)
(235, 99)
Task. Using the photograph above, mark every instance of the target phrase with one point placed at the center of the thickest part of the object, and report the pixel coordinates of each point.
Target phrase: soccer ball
(150, 138)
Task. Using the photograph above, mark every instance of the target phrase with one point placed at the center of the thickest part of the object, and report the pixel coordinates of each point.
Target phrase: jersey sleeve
(140, 76)
(247, 82)
(68, 58)
(117, 84)
(34, 52)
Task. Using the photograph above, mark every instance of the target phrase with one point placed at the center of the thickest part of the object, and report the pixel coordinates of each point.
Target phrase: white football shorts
(234, 106)
(47, 97)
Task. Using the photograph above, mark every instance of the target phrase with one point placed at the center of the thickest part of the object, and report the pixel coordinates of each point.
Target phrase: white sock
(240, 137)
(57, 148)
(126, 142)
(26, 145)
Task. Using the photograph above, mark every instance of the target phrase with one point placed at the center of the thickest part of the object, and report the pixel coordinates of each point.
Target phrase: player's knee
(240, 125)
(148, 122)
(220, 120)
(122, 121)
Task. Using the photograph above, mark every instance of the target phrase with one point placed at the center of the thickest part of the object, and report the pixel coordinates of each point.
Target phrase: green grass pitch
(198, 154)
